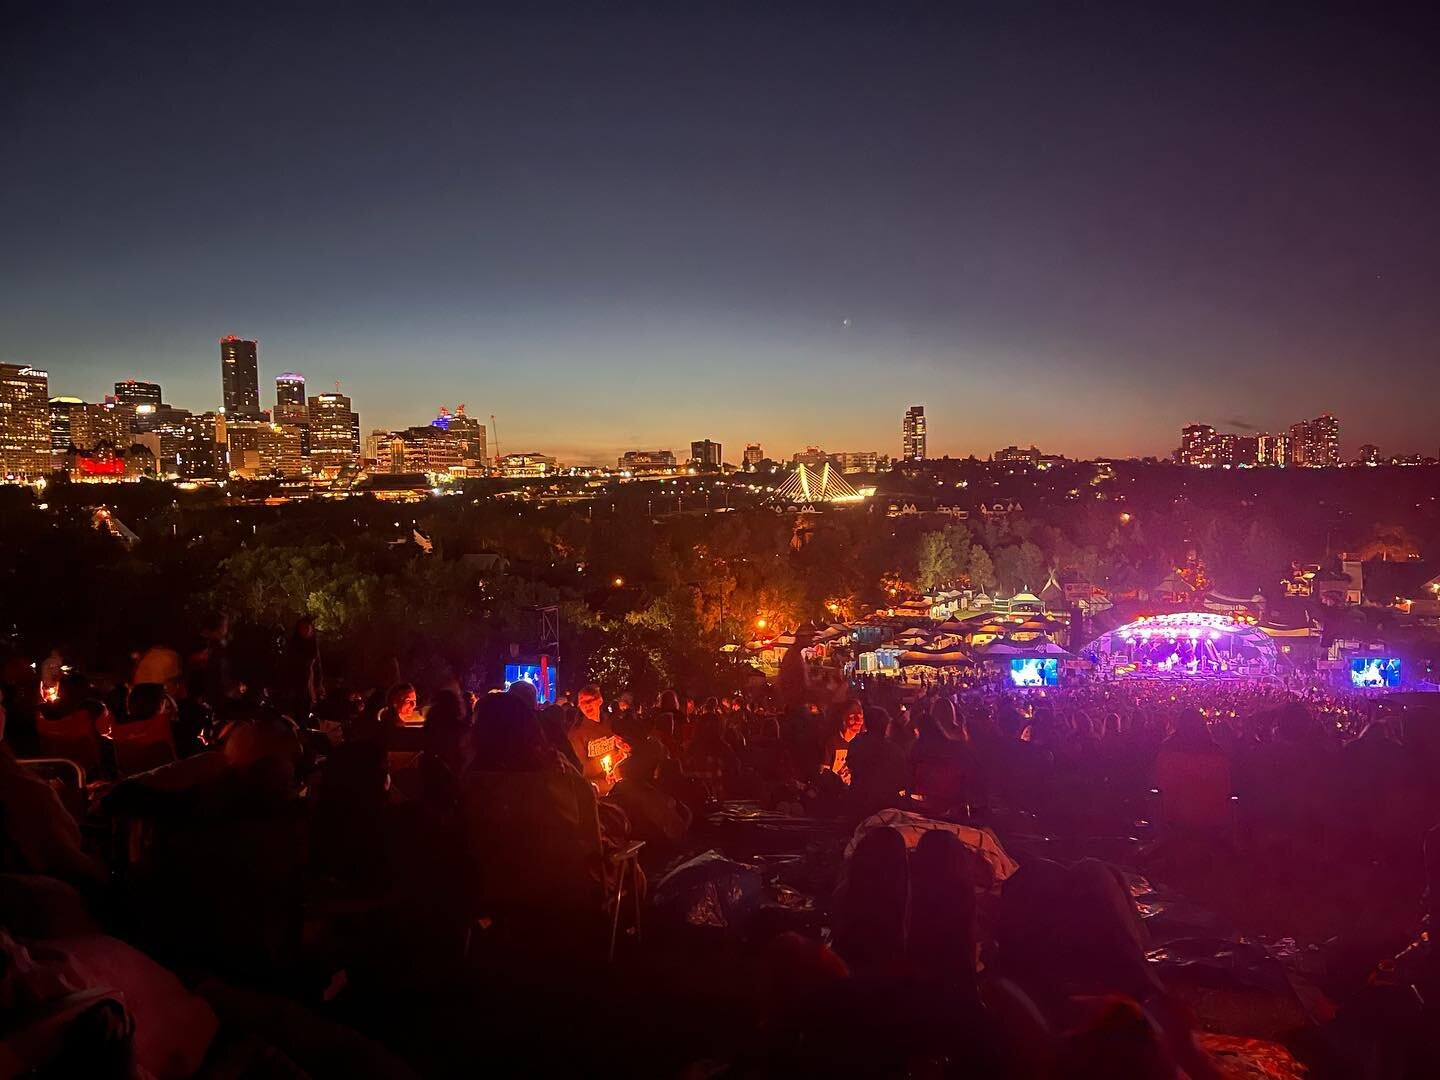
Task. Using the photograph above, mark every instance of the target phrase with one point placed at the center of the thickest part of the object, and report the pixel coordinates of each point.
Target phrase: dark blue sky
(617, 225)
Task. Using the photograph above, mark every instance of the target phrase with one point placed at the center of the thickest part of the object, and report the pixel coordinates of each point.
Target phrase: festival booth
(951, 632)
(1022, 603)
(1037, 627)
(1186, 644)
(915, 635)
(986, 633)
(941, 658)
(911, 609)
(945, 603)
(824, 640)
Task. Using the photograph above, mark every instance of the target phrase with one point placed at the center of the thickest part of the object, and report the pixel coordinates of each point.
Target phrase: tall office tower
(912, 434)
(138, 392)
(258, 449)
(372, 444)
(470, 434)
(290, 405)
(705, 454)
(240, 378)
(91, 425)
(24, 422)
(1315, 443)
(62, 412)
(201, 455)
(753, 455)
(141, 402)
(428, 449)
(333, 427)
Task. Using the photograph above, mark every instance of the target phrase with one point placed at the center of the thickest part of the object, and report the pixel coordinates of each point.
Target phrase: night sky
(617, 225)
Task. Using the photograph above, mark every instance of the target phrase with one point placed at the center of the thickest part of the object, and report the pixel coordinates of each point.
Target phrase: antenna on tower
(495, 436)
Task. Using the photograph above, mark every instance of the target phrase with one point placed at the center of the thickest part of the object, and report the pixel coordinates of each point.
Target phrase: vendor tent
(945, 657)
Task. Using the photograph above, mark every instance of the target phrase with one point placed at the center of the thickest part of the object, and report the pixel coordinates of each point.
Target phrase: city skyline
(639, 228)
(780, 452)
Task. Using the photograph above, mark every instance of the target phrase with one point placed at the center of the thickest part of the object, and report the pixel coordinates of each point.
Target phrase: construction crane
(495, 437)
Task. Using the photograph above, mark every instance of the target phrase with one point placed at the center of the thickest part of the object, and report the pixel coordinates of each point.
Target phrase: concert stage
(1185, 645)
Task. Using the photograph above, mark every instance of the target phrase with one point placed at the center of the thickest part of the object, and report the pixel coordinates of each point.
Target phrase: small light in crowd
(619, 581)
(760, 623)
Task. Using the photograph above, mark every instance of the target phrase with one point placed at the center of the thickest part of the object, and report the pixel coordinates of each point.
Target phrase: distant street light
(619, 581)
(760, 624)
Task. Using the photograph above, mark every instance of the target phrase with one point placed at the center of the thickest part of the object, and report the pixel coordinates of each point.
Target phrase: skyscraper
(91, 425)
(62, 411)
(24, 422)
(290, 405)
(469, 432)
(138, 392)
(201, 455)
(912, 434)
(427, 449)
(240, 378)
(753, 455)
(705, 454)
(332, 433)
(257, 449)
(143, 406)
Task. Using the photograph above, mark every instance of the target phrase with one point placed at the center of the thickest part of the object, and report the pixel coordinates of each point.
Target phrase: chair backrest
(85, 752)
(142, 746)
(533, 838)
(72, 737)
(1195, 789)
(66, 777)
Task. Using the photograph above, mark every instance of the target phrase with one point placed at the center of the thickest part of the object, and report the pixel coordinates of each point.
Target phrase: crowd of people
(214, 872)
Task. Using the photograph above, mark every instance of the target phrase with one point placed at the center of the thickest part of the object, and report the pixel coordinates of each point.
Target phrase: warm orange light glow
(1124, 519)
(607, 763)
(619, 581)
(760, 624)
